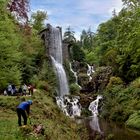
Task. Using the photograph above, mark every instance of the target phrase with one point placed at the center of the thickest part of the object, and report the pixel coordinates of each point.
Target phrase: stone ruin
(45, 36)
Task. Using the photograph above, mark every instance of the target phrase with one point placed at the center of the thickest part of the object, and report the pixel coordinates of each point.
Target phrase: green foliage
(90, 57)
(74, 89)
(47, 74)
(43, 85)
(85, 112)
(136, 83)
(21, 50)
(87, 39)
(38, 19)
(120, 101)
(77, 53)
(134, 121)
(32, 56)
(116, 43)
(69, 35)
(114, 81)
(10, 55)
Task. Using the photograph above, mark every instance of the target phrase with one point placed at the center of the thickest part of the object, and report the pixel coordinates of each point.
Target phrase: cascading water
(93, 107)
(75, 75)
(63, 86)
(56, 56)
(90, 71)
(70, 107)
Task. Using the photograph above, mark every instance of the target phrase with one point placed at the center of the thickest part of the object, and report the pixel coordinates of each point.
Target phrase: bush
(114, 81)
(43, 85)
(134, 121)
(136, 83)
(34, 80)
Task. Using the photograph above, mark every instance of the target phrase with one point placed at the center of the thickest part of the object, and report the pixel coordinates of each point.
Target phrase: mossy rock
(114, 81)
(83, 79)
(134, 121)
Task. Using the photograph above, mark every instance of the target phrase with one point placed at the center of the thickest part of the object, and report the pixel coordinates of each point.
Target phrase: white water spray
(90, 71)
(75, 75)
(71, 107)
(93, 107)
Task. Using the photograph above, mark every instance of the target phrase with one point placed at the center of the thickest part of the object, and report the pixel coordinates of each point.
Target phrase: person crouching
(23, 110)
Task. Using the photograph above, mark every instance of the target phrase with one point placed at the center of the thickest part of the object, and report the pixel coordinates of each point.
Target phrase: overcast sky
(79, 14)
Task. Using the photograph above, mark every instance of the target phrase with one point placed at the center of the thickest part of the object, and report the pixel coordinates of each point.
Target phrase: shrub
(114, 81)
(34, 80)
(136, 83)
(43, 85)
(134, 120)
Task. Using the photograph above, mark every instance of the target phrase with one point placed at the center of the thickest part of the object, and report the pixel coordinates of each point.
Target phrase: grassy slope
(43, 111)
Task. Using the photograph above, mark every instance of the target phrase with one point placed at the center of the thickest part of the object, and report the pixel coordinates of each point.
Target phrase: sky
(78, 14)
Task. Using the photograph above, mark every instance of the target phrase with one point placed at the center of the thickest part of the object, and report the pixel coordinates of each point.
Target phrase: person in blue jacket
(23, 109)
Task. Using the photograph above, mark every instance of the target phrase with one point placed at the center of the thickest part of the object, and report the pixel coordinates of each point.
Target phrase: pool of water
(110, 130)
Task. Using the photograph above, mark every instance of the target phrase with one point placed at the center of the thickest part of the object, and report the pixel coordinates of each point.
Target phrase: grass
(43, 111)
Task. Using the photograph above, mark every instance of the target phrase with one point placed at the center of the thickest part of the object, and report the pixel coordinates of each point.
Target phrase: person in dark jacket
(23, 110)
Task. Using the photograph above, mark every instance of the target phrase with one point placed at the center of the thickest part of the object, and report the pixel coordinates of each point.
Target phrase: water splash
(70, 107)
(93, 107)
(75, 75)
(90, 71)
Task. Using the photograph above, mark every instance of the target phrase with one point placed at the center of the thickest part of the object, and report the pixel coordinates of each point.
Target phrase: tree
(116, 42)
(131, 3)
(38, 20)
(77, 53)
(87, 39)
(20, 9)
(69, 35)
(10, 54)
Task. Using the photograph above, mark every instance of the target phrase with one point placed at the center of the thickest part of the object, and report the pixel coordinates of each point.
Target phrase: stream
(109, 130)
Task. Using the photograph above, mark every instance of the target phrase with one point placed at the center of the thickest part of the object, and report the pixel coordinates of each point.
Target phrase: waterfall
(71, 107)
(93, 107)
(90, 71)
(75, 75)
(57, 59)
